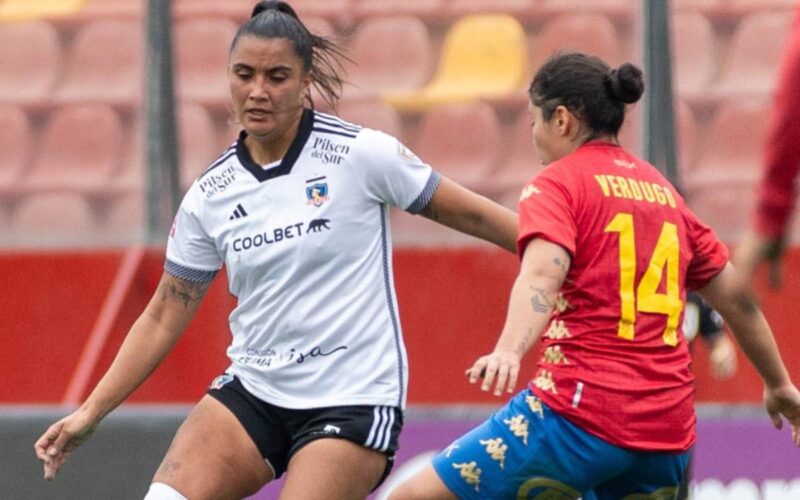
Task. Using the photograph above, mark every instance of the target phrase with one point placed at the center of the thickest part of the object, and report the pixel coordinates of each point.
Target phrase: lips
(257, 113)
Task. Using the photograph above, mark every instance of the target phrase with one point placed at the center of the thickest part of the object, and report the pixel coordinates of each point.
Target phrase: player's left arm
(533, 297)
(463, 210)
(751, 330)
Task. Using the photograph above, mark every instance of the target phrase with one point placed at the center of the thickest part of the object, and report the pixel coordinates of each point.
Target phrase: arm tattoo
(523, 344)
(562, 264)
(188, 293)
(539, 301)
(429, 213)
(169, 467)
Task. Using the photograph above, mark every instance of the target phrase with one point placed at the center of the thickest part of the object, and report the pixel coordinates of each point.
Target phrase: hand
(752, 250)
(784, 401)
(722, 355)
(503, 365)
(61, 439)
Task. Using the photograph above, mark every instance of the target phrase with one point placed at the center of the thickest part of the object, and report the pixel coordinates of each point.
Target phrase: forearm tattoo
(539, 301)
(523, 344)
(562, 264)
(187, 293)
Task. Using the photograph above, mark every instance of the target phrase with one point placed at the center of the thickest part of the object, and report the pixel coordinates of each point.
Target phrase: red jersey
(614, 360)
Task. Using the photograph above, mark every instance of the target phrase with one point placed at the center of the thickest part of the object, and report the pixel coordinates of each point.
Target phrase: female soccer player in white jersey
(297, 210)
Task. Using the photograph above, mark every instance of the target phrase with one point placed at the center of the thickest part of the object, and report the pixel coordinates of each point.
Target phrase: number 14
(648, 300)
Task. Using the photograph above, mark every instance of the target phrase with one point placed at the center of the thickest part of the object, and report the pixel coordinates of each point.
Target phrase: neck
(273, 147)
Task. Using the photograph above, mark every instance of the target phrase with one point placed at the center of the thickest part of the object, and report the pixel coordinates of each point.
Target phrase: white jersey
(307, 248)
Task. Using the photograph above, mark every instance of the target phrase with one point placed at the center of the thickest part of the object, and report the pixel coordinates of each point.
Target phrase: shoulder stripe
(427, 193)
(231, 151)
(335, 132)
(337, 122)
(189, 274)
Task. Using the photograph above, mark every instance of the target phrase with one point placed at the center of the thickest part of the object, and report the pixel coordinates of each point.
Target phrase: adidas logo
(238, 213)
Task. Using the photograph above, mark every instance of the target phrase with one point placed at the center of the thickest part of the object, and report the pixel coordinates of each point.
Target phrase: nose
(258, 90)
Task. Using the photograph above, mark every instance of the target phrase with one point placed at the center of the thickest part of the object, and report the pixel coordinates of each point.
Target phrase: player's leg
(653, 476)
(212, 456)
(341, 452)
(524, 450)
(424, 485)
(334, 469)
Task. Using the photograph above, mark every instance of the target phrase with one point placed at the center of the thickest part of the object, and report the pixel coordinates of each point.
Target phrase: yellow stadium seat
(483, 57)
(26, 10)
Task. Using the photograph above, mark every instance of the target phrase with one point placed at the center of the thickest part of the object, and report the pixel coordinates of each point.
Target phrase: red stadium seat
(623, 8)
(750, 68)
(80, 148)
(687, 136)
(198, 142)
(693, 53)
(16, 144)
(424, 9)
(104, 64)
(30, 58)
(337, 10)
(382, 64)
(522, 9)
(519, 164)
(731, 150)
(373, 114)
(462, 141)
(590, 33)
(202, 75)
(54, 218)
(125, 217)
(727, 207)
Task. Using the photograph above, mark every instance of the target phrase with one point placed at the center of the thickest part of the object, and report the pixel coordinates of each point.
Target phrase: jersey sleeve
(191, 252)
(709, 255)
(546, 211)
(392, 174)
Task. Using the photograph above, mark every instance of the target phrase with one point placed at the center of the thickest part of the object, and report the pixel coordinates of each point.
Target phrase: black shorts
(280, 432)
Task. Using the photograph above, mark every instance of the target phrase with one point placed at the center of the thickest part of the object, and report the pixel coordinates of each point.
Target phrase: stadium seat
(16, 144)
(617, 8)
(373, 114)
(750, 68)
(687, 137)
(320, 26)
(104, 64)
(521, 9)
(731, 150)
(54, 218)
(484, 57)
(28, 10)
(80, 148)
(462, 141)
(124, 218)
(238, 10)
(202, 75)
(381, 64)
(198, 142)
(704, 6)
(424, 9)
(519, 162)
(726, 207)
(590, 33)
(335, 10)
(30, 58)
(111, 9)
(694, 55)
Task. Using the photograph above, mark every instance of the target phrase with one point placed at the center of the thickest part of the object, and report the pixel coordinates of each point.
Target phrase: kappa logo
(529, 191)
(238, 213)
(318, 225)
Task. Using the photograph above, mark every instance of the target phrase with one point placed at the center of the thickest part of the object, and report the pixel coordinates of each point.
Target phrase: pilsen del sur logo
(317, 191)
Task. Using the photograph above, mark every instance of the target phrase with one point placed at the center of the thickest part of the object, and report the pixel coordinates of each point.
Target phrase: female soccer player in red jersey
(608, 251)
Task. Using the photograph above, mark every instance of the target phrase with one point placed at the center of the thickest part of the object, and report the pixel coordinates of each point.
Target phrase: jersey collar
(288, 161)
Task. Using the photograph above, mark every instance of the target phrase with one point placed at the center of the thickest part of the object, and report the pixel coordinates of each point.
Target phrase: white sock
(161, 491)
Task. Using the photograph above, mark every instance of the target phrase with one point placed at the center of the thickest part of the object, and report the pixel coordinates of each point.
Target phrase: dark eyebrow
(274, 69)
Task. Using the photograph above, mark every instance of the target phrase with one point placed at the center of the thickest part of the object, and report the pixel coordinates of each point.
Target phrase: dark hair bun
(273, 5)
(625, 83)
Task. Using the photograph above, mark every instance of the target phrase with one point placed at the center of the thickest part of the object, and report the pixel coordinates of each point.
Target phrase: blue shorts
(525, 450)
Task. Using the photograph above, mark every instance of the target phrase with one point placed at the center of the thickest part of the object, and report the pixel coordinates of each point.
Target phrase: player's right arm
(739, 309)
(148, 342)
